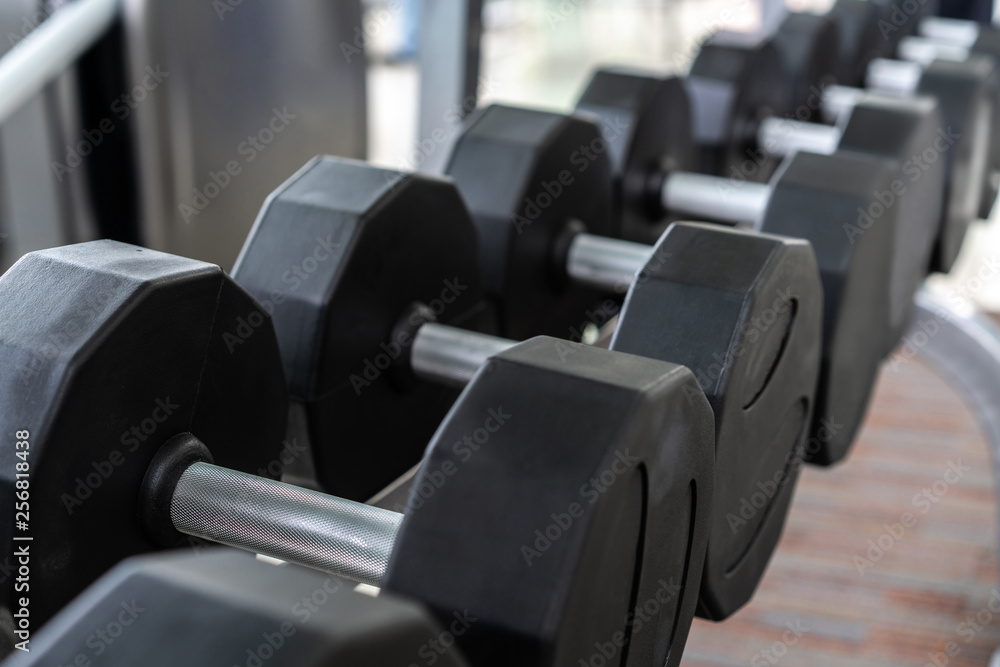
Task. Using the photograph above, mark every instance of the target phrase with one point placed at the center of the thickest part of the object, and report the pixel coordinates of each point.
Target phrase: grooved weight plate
(743, 311)
(817, 198)
(588, 507)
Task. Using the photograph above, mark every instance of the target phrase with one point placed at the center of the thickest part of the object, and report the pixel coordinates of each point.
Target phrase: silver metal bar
(605, 263)
(345, 538)
(50, 48)
(781, 136)
(452, 356)
(955, 31)
(839, 101)
(739, 203)
(925, 50)
(895, 77)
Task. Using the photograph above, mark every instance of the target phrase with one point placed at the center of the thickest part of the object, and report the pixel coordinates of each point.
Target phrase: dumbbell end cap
(157, 490)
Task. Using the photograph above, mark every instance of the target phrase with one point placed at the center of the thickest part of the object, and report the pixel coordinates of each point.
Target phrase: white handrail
(50, 48)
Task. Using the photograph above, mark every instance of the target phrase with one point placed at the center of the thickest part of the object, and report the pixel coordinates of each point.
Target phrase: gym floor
(911, 593)
(841, 590)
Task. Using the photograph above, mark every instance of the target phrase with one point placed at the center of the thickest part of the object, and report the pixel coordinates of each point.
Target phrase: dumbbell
(741, 310)
(925, 51)
(648, 188)
(967, 93)
(900, 19)
(860, 39)
(735, 82)
(808, 45)
(506, 160)
(966, 96)
(608, 456)
(224, 607)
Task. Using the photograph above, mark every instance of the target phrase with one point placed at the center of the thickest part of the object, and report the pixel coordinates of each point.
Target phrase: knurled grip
(298, 525)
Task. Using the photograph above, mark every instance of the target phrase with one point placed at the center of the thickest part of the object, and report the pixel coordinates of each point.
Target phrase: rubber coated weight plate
(816, 197)
(735, 82)
(342, 250)
(967, 94)
(744, 312)
(224, 607)
(109, 350)
(908, 131)
(583, 507)
(807, 44)
(900, 18)
(652, 118)
(859, 38)
(529, 178)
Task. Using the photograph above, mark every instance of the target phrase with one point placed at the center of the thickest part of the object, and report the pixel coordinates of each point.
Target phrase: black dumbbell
(735, 82)
(860, 39)
(741, 310)
(224, 607)
(649, 188)
(608, 456)
(808, 45)
(901, 18)
(967, 93)
(817, 198)
(925, 50)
